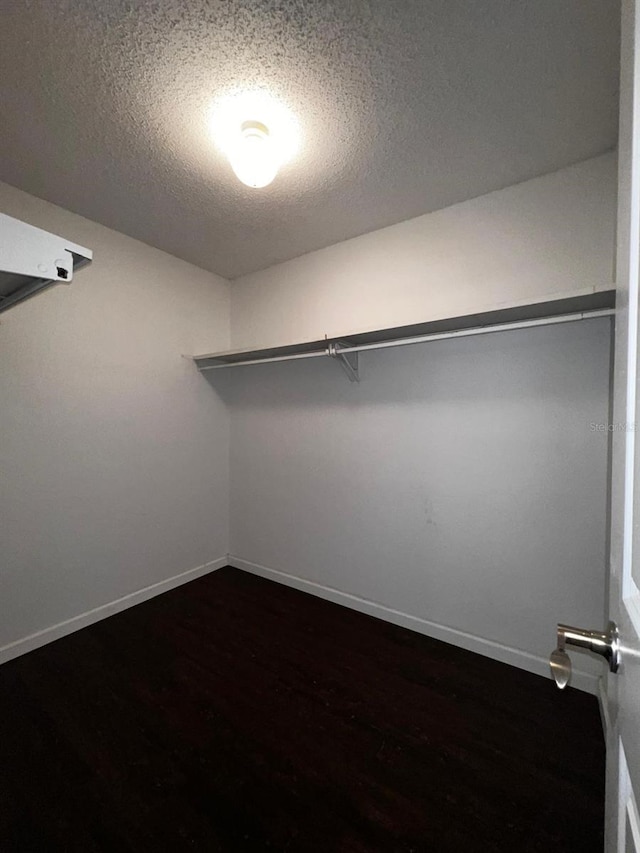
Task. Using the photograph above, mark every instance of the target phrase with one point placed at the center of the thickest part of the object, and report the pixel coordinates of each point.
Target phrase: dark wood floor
(237, 714)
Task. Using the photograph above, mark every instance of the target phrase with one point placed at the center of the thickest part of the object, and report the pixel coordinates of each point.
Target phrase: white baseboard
(55, 632)
(489, 648)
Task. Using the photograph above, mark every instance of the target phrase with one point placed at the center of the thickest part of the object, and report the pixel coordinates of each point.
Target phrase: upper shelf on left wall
(32, 260)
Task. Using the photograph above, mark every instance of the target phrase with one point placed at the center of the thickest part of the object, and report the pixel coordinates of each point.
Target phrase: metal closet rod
(481, 330)
(317, 354)
(423, 339)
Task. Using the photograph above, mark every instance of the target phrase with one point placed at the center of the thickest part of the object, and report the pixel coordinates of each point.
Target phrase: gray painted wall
(113, 449)
(460, 483)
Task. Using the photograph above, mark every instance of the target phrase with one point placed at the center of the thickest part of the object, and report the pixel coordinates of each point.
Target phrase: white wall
(113, 449)
(459, 485)
(545, 238)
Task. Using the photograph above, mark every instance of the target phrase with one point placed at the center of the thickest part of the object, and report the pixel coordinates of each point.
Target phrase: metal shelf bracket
(348, 360)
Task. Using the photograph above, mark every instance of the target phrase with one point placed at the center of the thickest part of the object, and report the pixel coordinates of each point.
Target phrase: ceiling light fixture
(257, 133)
(254, 157)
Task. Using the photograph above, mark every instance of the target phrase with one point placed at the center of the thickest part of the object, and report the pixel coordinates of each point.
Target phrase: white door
(622, 699)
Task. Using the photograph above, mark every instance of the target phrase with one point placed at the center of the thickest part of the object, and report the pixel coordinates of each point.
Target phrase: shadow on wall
(501, 366)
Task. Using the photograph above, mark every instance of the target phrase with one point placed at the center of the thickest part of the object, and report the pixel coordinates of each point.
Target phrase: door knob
(602, 643)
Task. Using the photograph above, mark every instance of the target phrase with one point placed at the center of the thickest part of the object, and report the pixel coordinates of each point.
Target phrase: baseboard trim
(489, 648)
(61, 629)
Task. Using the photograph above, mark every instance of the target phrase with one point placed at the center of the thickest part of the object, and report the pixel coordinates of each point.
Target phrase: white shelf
(31, 260)
(347, 347)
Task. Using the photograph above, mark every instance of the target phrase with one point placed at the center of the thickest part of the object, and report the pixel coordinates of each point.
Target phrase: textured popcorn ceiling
(405, 106)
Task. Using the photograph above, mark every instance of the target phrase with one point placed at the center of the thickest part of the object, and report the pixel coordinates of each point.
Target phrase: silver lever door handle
(605, 643)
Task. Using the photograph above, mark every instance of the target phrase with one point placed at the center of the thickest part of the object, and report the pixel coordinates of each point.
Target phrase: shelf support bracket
(348, 360)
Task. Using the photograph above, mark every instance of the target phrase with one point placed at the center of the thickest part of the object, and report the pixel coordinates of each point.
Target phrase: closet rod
(480, 330)
(270, 360)
(420, 339)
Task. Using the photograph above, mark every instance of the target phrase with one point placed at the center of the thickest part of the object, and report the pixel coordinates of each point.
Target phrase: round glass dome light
(253, 156)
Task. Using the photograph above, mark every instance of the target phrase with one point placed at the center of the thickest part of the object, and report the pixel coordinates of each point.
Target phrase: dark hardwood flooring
(237, 714)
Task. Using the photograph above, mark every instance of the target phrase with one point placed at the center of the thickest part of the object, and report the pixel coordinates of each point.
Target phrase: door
(622, 699)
